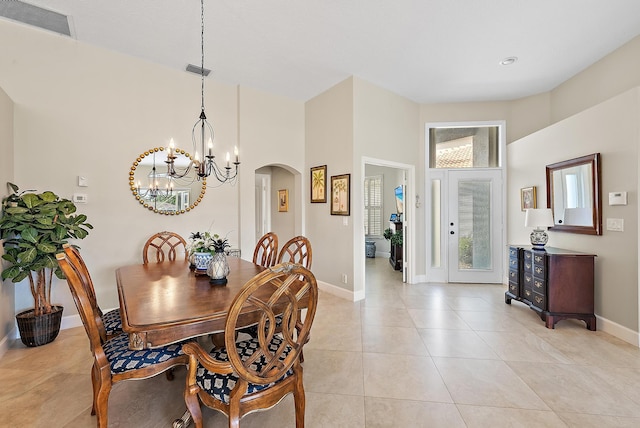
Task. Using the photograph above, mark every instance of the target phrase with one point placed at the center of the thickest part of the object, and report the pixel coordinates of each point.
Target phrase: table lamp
(538, 218)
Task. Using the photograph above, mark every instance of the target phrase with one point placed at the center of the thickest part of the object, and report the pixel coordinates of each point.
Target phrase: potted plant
(395, 254)
(34, 227)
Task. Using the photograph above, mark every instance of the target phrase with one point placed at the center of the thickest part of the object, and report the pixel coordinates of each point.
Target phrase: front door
(474, 226)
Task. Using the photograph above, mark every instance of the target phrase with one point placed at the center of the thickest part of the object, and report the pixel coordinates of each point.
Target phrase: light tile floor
(422, 355)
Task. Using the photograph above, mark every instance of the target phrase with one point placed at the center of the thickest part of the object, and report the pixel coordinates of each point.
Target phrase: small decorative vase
(201, 260)
(218, 268)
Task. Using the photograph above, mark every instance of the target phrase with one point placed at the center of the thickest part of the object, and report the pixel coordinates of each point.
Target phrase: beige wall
(329, 141)
(7, 295)
(272, 133)
(612, 75)
(612, 129)
(87, 111)
(93, 112)
(386, 127)
(283, 223)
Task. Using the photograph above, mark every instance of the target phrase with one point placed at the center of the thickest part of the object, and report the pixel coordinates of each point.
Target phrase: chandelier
(154, 191)
(202, 137)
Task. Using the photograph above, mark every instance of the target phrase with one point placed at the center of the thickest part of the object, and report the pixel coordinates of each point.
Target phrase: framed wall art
(319, 184)
(528, 198)
(340, 194)
(283, 200)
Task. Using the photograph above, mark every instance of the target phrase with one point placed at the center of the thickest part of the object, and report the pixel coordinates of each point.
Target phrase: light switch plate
(83, 181)
(615, 224)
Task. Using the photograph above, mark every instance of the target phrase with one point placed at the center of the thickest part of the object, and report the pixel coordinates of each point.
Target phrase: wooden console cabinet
(395, 254)
(556, 283)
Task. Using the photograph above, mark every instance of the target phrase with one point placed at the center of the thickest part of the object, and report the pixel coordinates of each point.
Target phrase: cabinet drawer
(539, 301)
(513, 252)
(513, 263)
(539, 266)
(528, 256)
(528, 294)
(513, 276)
(513, 288)
(539, 286)
(528, 280)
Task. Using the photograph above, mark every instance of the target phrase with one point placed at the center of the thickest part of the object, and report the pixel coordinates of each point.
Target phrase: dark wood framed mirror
(574, 195)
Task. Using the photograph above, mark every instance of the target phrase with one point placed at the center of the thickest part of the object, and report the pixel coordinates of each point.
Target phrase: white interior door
(474, 226)
(263, 204)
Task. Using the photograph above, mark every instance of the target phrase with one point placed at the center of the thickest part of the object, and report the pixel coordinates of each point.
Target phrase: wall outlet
(344, 278)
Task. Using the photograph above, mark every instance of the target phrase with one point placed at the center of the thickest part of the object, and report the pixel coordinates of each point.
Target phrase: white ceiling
(430, 51)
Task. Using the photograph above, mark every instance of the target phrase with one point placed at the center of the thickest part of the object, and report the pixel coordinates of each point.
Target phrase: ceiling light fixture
(202, 137)
(509, 60)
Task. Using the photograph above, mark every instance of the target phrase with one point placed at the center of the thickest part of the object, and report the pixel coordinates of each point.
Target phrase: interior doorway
(394, 176)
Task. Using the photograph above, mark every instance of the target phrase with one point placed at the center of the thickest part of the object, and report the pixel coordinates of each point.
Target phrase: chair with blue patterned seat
(256, 374)
(296, 250)
(110, 320)
(113, 361)
(164, 246)
(266, 250)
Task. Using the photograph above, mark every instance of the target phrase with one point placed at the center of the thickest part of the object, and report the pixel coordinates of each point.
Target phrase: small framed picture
(283, 200)
(319, 184)
(340, 194)
(528, 198)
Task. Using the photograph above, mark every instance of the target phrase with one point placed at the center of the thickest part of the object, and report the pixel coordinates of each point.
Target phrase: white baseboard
(340, 292)
(617, 330)
(419, 279)
(4, 343)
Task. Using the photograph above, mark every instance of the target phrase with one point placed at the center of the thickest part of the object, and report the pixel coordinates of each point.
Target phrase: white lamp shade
(538, 217)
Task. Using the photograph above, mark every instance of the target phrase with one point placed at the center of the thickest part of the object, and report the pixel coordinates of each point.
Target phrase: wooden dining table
(163, 303)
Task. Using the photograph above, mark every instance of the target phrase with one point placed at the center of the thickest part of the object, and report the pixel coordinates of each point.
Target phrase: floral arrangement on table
(205, 242)
(206, 254)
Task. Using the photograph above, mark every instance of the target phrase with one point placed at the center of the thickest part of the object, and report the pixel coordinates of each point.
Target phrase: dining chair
(256, 374)
(110, 320)
(113, 361)
(266, 251)
(296, 250)
(164, 246)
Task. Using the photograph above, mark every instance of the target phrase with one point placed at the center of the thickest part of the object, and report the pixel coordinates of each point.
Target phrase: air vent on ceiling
(36, 16)
(197, 70)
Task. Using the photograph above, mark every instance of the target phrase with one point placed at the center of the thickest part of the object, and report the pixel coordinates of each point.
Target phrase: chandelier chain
(202, 52)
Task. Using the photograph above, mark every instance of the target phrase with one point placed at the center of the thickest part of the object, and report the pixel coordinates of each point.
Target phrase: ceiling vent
(198, 70)
(35, 16)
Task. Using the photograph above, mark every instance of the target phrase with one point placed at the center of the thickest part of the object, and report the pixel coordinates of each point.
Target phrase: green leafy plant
(388, 233)
(395, 237)
(34, 227)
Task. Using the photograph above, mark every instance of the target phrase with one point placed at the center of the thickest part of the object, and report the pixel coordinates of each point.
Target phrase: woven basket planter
(36, 331)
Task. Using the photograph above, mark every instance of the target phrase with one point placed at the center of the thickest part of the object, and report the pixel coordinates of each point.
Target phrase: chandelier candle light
(202, 136)
(538, 218)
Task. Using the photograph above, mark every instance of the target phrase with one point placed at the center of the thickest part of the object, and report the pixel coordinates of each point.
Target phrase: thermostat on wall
(617, 198)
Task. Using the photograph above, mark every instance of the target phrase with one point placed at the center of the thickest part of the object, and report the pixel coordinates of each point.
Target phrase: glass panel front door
(475, 226)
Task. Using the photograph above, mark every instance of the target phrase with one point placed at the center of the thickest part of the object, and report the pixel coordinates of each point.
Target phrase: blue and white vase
(202, 260)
